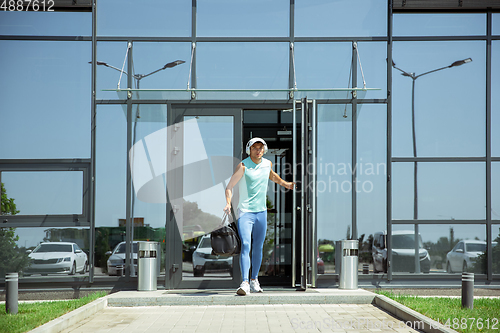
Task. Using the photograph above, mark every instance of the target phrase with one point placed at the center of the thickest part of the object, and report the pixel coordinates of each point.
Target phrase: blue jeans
(251, 226)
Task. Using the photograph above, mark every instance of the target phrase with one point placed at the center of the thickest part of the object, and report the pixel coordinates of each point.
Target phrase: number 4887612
(27, 5)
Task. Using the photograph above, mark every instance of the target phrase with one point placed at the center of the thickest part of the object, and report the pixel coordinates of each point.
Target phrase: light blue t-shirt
(253, 186)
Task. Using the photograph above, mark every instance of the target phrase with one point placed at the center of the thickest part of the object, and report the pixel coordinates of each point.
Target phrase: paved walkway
(259, 318)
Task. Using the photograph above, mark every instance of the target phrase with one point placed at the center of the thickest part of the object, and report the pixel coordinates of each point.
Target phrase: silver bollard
(11, 288)
(467, 290)
(349, 270)
(147, 267)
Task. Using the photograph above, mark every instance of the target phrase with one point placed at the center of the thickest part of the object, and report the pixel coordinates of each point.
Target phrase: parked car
(204, 260)
(403, 252)
(116, 261)
(57, 257)
(464, 255)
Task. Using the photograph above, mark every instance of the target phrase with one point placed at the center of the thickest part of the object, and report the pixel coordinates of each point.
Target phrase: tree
(8, 207)
(12, 258)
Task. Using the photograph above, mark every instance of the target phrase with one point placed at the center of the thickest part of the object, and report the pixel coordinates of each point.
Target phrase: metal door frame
(308, 191)
(173, 243)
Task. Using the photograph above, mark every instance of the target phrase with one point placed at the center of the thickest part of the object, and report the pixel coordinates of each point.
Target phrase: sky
(46, 101)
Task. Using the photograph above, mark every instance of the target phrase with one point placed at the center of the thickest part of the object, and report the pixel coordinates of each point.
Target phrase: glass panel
(496, 24)
(111, 170)
(340, 18)
(371, 178)
(150, 145)
(402, 191)
(495, 98)
(53, 252)
(334, 183)
(260, 117)
(205, 138)
(373, 57)
(41, 193)
(240, 94)
(449, 118)
(53, 120)
(277, 250)
(113, 54)
(145, 61)
(439, 24)
(147, 18)
(323, 65)
(438, 248)
(249, 18)
(45, 23)
(222, 65)
(451, 191)
(495, 236)
(495, 190)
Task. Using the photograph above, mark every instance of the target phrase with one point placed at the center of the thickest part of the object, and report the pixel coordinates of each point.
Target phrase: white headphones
(254, 140)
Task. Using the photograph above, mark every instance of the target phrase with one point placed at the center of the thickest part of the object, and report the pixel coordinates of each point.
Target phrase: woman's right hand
(227, 209)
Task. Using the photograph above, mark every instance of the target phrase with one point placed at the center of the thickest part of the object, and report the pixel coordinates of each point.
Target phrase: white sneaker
(255, 286)
(243, 289)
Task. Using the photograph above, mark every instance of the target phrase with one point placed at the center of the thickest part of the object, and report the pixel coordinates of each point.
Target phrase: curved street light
(138, 78)
(415, 189)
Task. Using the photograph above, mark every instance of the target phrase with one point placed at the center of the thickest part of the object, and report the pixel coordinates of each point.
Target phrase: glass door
(205, 146)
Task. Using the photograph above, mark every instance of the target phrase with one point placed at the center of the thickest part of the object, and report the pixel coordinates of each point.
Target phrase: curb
(414, 318)
(73, 317)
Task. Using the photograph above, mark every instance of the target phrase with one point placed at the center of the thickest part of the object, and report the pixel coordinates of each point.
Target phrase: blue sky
(46, 99)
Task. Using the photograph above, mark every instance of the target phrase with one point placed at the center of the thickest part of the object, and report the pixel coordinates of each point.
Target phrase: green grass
(485, 317)
(32, 315)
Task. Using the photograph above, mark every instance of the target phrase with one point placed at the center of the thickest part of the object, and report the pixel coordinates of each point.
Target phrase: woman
(252, 174)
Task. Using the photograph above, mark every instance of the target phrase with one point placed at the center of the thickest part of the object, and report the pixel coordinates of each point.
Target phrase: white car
(204, 260)
(403, 252)
(116, 261)
(464, 254)
(57, 257)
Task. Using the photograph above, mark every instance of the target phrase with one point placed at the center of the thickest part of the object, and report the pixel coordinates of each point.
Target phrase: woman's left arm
(277, 179)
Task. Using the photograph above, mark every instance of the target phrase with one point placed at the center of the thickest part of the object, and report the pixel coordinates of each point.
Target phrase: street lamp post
(138, 78)
(415, 187)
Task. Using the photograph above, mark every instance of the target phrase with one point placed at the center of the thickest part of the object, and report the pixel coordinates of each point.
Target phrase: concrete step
(229, 297)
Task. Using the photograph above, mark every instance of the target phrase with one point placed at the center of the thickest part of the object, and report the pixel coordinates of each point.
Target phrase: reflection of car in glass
(464, 255)
(275, 263)
(204, 260)
(116, 261)
(57, 257)
(403, 252)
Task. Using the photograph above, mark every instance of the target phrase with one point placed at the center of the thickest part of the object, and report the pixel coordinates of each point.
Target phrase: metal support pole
(93, 143)
(11, 288)
(129, 224)
(294, 196)
(303, 255)
(467, 290)
(354, 147)
(415, 180)
(389, 140)
(489, 236)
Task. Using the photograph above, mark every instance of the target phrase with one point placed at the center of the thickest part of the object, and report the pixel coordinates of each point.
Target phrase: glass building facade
(122, 122)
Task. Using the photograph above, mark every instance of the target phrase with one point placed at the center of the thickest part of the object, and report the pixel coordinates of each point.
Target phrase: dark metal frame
(83, 219)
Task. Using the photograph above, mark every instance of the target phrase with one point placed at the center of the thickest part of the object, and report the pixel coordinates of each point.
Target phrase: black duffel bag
(225, 240)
